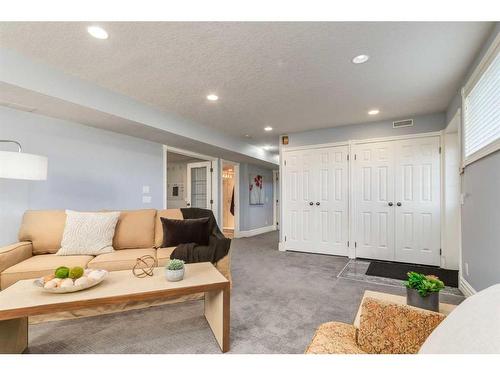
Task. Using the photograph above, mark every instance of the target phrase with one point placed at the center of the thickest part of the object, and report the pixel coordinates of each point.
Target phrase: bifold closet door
(316, 200)
(373, 188)
(417, 201)
(396, 188)
(299, 228)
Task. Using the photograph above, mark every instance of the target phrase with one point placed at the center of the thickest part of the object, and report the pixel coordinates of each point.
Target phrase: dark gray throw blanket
(218, 245)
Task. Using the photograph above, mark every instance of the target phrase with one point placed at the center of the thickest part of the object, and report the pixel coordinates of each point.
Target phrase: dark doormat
(393, 270)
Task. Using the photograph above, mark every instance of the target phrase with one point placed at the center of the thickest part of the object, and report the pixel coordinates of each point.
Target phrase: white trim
(396, 137)
(320, 145)
(465, 287)
(165, 165)
(275, 188)
(281, 246)
(256, 231)
(236, 168)
(193, 154)
(481, 153)
(351, 207)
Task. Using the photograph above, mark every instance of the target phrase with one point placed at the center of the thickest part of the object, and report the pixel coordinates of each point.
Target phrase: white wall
(89, 169)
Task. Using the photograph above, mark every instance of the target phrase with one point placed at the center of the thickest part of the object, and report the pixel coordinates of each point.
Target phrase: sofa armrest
(387, 327)
(15, 253)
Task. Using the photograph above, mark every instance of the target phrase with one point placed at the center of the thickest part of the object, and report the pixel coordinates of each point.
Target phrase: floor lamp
(22, 166)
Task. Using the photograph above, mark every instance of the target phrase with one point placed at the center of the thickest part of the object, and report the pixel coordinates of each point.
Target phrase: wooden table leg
(13, 335)
(218, 315)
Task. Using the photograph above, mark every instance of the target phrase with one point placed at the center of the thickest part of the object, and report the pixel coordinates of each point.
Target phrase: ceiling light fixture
(268, 128)
(97, 32)
(360, 59)
(267, 147)
(373, 112)
(212, 97)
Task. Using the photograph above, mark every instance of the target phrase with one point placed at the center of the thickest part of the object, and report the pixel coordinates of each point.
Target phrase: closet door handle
(317, 203)
(398, 204)
(311, 203)
(390, 204)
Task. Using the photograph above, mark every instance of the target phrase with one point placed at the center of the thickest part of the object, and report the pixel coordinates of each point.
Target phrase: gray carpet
(277, 301)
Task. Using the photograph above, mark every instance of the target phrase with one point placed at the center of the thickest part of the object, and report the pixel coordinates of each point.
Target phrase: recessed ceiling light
(212, 97)
(268, 128)
(373, 112)
(97, 32)
(360, 59)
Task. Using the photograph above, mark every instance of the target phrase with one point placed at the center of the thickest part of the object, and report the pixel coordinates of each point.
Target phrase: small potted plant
(174, 270)
(423, 291)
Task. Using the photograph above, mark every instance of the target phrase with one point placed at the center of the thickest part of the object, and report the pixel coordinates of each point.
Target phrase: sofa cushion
(171, 213)
(40, 265)
(120, 260)
(176, 232)
(135, 230)
(12, 254)
(163, 255)
(44, 229)
(471, 328)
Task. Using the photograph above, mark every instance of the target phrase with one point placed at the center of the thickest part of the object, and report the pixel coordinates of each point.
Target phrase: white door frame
(276, 177)
(236, 169)
(215, 179)
(352, 206)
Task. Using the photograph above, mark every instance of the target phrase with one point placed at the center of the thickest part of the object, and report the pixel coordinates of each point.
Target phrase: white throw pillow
(88, 233)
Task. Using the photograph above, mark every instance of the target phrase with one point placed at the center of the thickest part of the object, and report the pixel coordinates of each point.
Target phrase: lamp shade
(18, 165)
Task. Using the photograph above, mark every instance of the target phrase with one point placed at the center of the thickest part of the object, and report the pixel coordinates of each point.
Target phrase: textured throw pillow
(177, 232)
(88, 233)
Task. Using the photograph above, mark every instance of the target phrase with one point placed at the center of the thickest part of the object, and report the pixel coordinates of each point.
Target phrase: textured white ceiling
(292, 76)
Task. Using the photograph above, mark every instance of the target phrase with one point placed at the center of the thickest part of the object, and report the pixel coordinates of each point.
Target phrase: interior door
(373, 187)
(331, 203)
(299, 191)
(199, 185)
(417, 201)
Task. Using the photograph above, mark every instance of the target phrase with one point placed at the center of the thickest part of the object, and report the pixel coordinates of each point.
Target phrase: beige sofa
(138, 233)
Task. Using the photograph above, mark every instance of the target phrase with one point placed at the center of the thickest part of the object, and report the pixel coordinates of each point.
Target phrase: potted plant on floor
(174, 270)
(423, 291)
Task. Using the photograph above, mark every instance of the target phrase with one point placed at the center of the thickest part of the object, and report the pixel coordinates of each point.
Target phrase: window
(481, 97)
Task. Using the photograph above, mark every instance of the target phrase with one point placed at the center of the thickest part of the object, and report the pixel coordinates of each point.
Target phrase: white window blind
(482, 112)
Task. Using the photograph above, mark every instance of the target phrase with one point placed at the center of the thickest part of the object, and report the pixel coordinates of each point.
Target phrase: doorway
(189, 180)
(230, 198)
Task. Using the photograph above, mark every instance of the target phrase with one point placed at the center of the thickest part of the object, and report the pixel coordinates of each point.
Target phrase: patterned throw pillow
(88, 233)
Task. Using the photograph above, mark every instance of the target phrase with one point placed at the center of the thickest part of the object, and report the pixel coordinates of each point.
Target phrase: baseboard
(465, 287)
(281, 246)
(256, 231)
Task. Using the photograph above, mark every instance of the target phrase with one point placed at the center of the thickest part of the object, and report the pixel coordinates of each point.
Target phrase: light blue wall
(251, 216)
(422, 124)
(89, 169)
(481, 210)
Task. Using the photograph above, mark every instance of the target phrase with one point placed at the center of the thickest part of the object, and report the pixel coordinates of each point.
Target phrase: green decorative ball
(76, 273)
(62, 272)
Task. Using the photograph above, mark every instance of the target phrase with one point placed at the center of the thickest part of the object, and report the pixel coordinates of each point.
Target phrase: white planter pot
(174, 275)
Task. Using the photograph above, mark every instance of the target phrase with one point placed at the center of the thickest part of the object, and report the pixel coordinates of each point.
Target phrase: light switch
(145, 189)
(146, 199)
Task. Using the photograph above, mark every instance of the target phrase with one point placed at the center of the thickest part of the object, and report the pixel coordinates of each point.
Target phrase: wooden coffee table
(23, 299)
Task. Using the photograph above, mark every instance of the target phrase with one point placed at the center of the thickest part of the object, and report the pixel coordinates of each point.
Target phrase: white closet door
(299, 225)
(373, 187)
(417, 201)
(331, 202)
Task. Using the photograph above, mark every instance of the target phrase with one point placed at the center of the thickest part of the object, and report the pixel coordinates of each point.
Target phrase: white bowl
(92, 282)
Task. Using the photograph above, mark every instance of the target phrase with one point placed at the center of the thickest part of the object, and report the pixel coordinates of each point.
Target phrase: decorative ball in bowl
(174, 270)
(69, 280)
